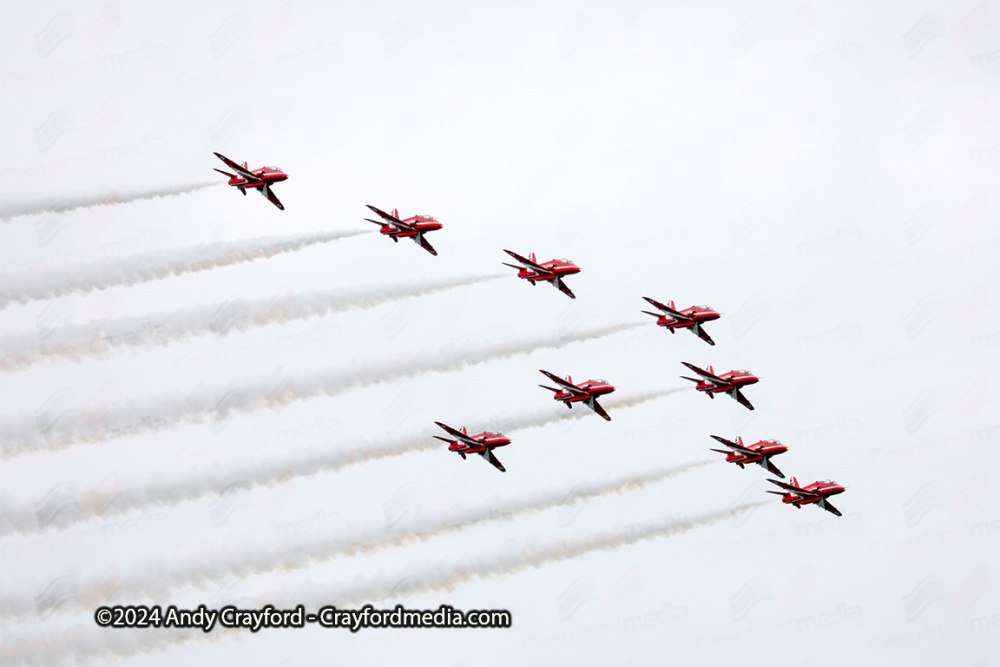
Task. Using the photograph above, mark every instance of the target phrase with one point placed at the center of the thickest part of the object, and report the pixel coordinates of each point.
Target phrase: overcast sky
(181, 425)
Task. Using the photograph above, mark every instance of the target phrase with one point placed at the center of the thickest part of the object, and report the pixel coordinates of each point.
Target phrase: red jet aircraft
(413, 228)
(552, 271)
(585, 392)
(728, 383)
(482, 444)
(692, 318)
(815, 493)
(258, 179)
(760, 453)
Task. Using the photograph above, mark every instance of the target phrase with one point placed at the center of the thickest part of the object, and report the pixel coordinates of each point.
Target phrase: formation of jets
(567, 392)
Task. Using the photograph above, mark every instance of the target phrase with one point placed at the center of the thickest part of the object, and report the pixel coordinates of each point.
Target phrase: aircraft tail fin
(533, 258)
(464, 432)
(245, 165)
(793, 481)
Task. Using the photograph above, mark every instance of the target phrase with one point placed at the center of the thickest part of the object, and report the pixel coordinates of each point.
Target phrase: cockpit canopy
(742, 370)
(273, 168)
(426, 217)
(705, 307)
(496, 433)
(564, 261)
(598, 380)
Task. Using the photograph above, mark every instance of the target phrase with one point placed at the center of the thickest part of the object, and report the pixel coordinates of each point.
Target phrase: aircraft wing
(702, 334)
(458, 435)
(738, 395)
(568, 386)
(391, 219)
(794, 489)
(771, 468)
(385, 216)
(527, 262)
(677, 315)
(488, 454)
(596, 407)
(736, 446)
(425, 245)
(237, 168)
(269, 193)
(705, 374)
(564, 289)
(829, 508)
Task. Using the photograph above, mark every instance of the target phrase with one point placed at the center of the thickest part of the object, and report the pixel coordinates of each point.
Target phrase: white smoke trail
(28, 517)
(54, 426)
(136, 584)
(95, 339)
(506, 562)
(122, 271)
(385, 588)
(10, 210)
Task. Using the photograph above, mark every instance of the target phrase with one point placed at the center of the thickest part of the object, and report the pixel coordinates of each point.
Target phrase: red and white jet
(815, 494)
(760, 453)
(585, 392)
(551, 271)
(692, 318)
(482, 444)
(258, 179)
(726, 383)
(413, 228)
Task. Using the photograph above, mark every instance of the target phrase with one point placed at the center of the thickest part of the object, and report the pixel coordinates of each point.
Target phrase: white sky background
(823, 174)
